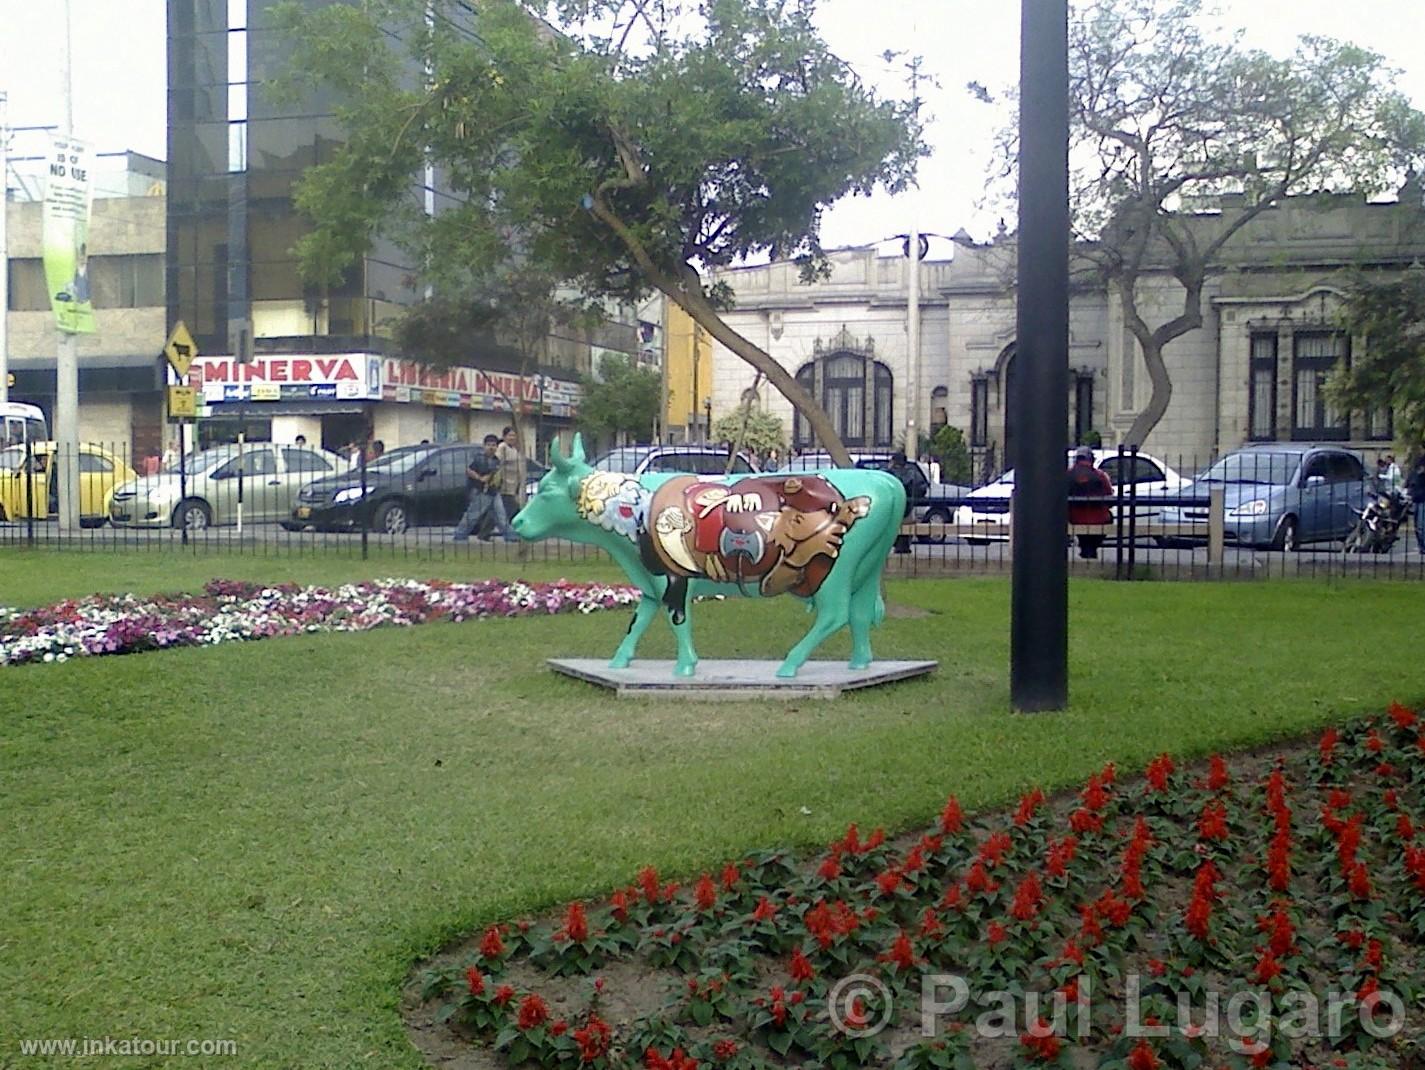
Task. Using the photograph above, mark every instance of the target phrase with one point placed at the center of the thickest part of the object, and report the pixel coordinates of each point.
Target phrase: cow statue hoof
(820, 536)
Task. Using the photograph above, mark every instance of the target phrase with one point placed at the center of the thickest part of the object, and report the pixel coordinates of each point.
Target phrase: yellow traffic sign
(180, 349)
(182, 402)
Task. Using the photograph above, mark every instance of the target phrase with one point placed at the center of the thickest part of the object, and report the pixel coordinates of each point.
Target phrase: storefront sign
(471, 388)
(352, 377)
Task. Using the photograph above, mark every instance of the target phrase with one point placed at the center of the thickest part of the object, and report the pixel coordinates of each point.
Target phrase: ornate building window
(1262, 389)
(1314, 354)
(853, 387)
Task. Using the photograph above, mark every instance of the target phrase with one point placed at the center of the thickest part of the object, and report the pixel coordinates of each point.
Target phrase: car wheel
(392, 518)
(93, 521)
(936, 516)
(1288, 537)
(287, 525)
(192, 514)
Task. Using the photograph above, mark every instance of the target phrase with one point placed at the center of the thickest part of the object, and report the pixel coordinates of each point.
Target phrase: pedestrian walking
(484, 505)
(513, 475)
(1415, 487)
(1086, 481)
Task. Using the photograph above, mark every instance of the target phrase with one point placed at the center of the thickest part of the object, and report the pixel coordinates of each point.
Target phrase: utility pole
(66, 368)
(912, 378)
(1039, 614)
(4, 246)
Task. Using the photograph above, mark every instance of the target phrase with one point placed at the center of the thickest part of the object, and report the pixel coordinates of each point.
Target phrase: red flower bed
(1267, 912)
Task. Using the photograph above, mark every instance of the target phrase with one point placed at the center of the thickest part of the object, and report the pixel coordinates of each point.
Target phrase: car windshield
(1268, 469)
(402, 459)
(203, 460)
(625, 460)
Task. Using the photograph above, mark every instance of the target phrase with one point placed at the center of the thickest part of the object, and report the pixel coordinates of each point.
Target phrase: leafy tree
(626, 399)
(1390, 373)
(751, 429)
(948, 446)
(623, 146)
(1165, 116)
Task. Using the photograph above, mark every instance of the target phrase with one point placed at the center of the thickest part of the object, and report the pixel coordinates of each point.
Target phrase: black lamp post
(1039, 616)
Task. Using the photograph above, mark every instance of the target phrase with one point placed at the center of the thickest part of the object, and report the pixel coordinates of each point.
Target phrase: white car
(992, 502)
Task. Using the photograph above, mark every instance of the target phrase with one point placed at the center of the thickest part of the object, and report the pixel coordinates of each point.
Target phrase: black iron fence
(1268, 511)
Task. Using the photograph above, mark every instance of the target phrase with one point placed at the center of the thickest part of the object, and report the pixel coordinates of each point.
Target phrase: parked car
(698, 460)
(270, 477)
(1281, 495)
(405, 488)
(991, 503)
(24, 495)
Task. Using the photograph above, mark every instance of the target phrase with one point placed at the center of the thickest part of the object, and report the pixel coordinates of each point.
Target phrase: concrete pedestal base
(735, 679)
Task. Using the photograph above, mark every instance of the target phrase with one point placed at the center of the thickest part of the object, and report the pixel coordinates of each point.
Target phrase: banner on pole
(68, 192)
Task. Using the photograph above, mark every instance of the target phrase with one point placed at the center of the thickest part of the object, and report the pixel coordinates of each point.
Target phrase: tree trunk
(705, 315)
(1157, 405)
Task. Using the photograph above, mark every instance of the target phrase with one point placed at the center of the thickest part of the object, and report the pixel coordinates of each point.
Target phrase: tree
(748, 427)
(622, 148)
(1390, 373)
(949, 448)
(1166, 118)
(626, 399)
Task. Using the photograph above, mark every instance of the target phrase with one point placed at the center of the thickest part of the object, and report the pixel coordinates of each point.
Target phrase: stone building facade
(1252, 372)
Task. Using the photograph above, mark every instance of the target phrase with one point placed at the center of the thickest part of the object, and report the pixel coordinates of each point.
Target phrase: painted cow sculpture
(819, 536)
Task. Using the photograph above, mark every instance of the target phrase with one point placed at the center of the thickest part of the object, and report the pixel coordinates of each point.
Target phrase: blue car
(1281, 495)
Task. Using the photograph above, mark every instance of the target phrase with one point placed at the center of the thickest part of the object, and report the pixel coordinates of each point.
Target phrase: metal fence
(1264, 512)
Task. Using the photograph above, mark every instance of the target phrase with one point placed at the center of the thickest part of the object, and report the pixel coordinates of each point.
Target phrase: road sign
(180, 349)
(182, 402)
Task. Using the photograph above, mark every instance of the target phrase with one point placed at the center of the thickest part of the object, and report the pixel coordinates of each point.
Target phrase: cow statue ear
(577, 454)
(557, 460)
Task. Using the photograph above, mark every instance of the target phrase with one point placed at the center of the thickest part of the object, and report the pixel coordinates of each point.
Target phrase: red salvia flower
(1385, 770)
(1085, 820)
(1142, 1057)
(1352, 938)
(724, 1050)
(1281, 934)
(1375, 954)
(914, 860)
(576, 924)
(888, 881)
(1212, 822)
(1061, 853)
(731, 875)
(559, 1027)
(648, 882)
(1403, 716)
(1072, 953)
(619, 902)
(1159, 769)
(1109, 773)
(1359, 882)
(875, 840)
(1369, 991)
(475, 980)
(491, 945)
(1339, 799)
(1028, 804)
(1090, 931)
(1113, 910)
(1041, 1043)
(800, 968)
(830, 868)
(1028, 897)
(995, 847)
(953, 899)
(1267, 969)
(901, 954)
(533, 1012)
(1374, 743)
(977, 881)
(705, 893)
(1404, 828)
(594, 1040)
(1070, 990)
(1327, 747)
(996, 933)
(1217, 775)
(779, 1005)
(1094, 795)
(766, 910)
(503, 995)
(856, 1016)
(952, 820)
(930, 927)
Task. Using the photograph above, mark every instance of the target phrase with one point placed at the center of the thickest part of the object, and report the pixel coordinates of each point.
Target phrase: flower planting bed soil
(1261, 910)
(232, 611)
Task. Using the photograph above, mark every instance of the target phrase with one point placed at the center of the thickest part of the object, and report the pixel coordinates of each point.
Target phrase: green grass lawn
(255, 841)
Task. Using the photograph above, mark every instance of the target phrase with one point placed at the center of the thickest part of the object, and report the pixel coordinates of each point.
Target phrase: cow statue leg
(642, 617)
(867, 611)
(677, 600)
(833, 611)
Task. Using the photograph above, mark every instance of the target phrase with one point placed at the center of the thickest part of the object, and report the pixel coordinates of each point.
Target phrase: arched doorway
(854, 388)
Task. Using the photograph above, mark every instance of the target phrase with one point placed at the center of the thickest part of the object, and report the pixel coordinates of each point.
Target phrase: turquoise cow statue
(818, 536)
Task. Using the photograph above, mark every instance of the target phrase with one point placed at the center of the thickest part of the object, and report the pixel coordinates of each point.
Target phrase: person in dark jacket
(1415, 487)
(901, 469)
(1086, 481)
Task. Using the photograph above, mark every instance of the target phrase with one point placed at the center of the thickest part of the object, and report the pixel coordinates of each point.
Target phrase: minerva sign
(288, 378)
(471, 388)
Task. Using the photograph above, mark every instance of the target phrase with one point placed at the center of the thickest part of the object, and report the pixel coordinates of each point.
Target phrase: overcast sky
(119, 71)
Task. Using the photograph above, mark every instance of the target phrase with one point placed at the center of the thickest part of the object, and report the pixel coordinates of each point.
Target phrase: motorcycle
(1378, 524)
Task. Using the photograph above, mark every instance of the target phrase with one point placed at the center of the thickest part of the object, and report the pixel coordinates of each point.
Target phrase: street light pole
(1039, 626)
(66, 368)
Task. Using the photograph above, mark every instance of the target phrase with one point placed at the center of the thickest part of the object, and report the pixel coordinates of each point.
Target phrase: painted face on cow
(553, 510)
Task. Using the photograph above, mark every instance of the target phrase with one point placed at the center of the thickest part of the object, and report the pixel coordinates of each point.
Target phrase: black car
(408, 487)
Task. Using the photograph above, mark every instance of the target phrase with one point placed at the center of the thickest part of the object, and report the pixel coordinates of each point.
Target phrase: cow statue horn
(577, 454)
(557, 460)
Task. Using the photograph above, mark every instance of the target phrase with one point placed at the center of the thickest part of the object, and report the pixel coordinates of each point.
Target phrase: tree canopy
(621, 147)
(1168, 115)
(750, 428)
(1390, 371)
(625, 399)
